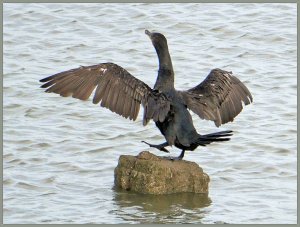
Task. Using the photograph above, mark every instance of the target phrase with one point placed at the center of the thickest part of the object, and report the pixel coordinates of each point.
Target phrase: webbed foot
(180, 157)
(160, 147)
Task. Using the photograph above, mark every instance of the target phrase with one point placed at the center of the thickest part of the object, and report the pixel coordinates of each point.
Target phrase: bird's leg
(180, 157)
(160, 147)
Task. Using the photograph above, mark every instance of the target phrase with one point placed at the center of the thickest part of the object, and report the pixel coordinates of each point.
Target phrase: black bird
(218, 98)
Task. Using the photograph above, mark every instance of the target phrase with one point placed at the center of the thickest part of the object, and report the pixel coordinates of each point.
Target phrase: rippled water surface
(60, 153)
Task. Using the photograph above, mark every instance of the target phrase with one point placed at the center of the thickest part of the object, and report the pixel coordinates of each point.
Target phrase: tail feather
(203, 140)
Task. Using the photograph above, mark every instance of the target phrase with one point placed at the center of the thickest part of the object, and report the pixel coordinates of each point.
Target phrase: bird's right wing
(218, 98)
(116, 88)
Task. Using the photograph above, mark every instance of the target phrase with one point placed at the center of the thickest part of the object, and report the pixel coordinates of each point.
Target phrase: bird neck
(165, 79)
(164, 57)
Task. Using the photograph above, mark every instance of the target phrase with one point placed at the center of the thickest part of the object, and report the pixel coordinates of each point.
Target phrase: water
(60, 153)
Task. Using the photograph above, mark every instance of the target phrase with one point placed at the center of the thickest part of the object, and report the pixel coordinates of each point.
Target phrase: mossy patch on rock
(150, 174)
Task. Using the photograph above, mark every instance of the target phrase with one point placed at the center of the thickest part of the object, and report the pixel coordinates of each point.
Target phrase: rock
(151, 174)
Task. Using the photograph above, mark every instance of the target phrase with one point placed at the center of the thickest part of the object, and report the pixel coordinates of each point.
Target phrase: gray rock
(151, 174)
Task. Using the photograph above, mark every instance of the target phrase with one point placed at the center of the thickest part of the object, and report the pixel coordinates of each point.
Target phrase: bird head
(160, 44)
(158, 39)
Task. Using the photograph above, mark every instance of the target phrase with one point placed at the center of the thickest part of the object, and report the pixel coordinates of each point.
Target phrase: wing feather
(218, 98)
(100, 91)
(84, 90)
(116, 88)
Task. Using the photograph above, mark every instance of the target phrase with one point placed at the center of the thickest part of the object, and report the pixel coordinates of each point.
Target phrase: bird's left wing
(218, 98)
(117, 89)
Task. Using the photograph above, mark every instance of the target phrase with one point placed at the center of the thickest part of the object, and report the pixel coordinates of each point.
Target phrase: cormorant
(218, 98)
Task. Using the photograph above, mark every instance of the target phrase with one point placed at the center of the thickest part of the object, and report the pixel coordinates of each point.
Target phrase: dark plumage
(218, 98)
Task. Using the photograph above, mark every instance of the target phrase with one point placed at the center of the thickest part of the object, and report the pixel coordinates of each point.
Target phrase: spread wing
(218, 98)
(116, 88)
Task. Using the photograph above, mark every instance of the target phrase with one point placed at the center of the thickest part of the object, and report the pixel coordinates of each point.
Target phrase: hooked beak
(148, 33)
